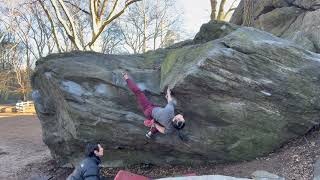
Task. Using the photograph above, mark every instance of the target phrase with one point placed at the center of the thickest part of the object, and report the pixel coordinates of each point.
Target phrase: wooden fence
(27, 106)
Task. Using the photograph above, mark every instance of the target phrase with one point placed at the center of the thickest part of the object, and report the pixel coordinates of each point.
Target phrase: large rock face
(295, 20)
(243, 95)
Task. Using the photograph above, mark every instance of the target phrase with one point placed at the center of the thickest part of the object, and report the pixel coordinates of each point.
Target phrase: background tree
(112, 39)
(222, 14)
(170, 38)
(21, 73)
(4, 68)
(100, 14)
(248, 13)
(14, 76)
(1, 37)
(213, 9)
(17, 52)
(166, 20)
(144, 26)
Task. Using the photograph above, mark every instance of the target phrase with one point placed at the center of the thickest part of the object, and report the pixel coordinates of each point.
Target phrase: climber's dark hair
(178, 124)
(90, 148)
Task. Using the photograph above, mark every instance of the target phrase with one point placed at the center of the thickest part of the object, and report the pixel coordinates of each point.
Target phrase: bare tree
(231, 9)
(6, 46)
(164, 22)
(112, 39)
(52, 24)
(222, 14)
(133, 28)
(170, 38)
(14, 75)
(5, 67)
(19, 53)
(40, 33)
(133, 33)
(144, 26)
(27, 26)
(23, 35)
(101, 13)
(22, 77)
(4, 85)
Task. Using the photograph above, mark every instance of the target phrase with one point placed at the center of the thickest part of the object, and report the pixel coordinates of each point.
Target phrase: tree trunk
(1, 38)
(213, 9)
(53, 29)
(221, 10)
(28, 68)
(248, 13)
(24, 96)
(110, 18)
(154, 42)
(156, 30)
(161, 34)
(144, 26)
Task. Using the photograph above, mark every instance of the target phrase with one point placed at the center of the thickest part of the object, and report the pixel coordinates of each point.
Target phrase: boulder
(316, 170)
(213, 30)
(40, 178)
(243, 95)
(307, 4)
(295, 20)
(265, 175)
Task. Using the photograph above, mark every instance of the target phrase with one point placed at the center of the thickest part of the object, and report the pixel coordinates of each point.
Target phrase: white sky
(195, 13)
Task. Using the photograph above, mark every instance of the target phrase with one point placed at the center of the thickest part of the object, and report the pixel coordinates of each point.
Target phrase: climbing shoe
(149, 135)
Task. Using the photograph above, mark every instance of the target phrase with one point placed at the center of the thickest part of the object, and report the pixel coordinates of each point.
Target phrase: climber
(158, 119)
(89, 167)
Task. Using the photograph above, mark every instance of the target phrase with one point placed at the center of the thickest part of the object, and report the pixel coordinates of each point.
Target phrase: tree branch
(113, 8)
(103, 8)
(232, 8)
(61, 20)
(108, 21)
(95, 5)
(228, 12)
(53, 29)
(93, 13)
(2, 37)
(65, 26)
(71, 21)
(79, 8)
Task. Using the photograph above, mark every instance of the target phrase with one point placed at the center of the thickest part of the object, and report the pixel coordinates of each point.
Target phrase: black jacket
(88, 170)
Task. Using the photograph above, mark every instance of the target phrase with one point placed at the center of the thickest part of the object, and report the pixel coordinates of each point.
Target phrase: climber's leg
(152, 132)
(141, 98)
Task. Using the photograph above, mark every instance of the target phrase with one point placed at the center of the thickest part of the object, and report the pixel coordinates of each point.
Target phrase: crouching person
(89, 167)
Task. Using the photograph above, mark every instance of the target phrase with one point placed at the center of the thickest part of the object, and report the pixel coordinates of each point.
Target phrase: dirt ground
(23, 155)
(20, 144)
